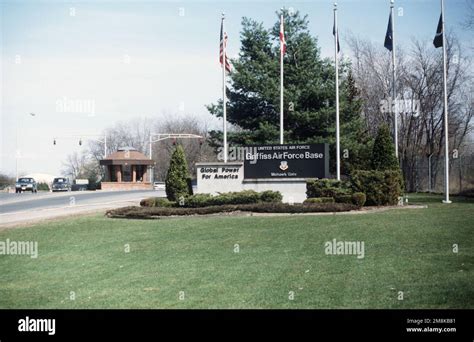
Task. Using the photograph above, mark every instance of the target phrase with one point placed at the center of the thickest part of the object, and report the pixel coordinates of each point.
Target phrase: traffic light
(80, 142)
(54, 142)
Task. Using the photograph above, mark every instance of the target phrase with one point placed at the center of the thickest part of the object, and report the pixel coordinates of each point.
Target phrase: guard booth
(127, 169)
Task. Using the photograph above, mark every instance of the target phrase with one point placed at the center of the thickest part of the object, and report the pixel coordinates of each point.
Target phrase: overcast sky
(123, 59)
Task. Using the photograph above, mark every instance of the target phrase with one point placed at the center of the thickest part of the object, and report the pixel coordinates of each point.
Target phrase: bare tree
(420, 99)
(469, 20)
(6, 181)
(79, 165)
(136, 133)
(371, 69)
(195, 149)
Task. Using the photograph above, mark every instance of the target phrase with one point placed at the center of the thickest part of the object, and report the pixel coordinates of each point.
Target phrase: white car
(159, 186)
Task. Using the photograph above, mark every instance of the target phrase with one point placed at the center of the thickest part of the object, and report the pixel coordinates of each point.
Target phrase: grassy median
(247, 262)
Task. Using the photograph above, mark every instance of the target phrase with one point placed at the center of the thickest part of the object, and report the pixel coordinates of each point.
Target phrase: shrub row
(369, 187)
(380, 187)
(156, 212)
(319, 200)
(156, 202)
(327, 188)
(357, 198)
(241, 197)
(207, 200)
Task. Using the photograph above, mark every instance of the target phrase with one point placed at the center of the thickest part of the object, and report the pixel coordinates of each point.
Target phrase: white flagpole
(446, 147)
(394, 80)
(281, 84)
(224, 61)
(338, 153)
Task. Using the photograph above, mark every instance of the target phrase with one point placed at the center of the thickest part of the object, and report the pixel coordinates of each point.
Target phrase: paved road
(27, 207)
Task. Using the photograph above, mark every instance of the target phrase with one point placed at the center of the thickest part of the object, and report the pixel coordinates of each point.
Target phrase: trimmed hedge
(156, 212)
(326, 188)
(271, 196)
(241, 197)
(343, 198)
(319, 200)
(156, 202)
(359, 199)
(380, 187)
(207, 200)
(198, 200)
(320, 190)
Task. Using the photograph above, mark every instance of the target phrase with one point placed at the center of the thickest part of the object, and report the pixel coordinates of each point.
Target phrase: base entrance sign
(286, 161)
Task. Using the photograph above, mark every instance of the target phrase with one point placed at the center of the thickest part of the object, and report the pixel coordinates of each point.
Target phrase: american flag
(282, 37)
(223, 40)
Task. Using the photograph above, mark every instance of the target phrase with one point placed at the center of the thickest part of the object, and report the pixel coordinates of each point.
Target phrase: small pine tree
(177, 176)
(383, 152)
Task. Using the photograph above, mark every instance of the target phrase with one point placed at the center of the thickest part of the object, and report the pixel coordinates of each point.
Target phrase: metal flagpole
(224, 61)
(281, 81)
(394, 85)
(446, 147)
(336, 38)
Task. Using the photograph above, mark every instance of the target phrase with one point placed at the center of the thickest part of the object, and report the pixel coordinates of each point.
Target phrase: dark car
(26, 184)
(61, 184)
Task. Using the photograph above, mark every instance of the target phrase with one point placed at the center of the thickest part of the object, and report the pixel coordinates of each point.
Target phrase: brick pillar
(134, 173)
(119, 173)
(106, 173)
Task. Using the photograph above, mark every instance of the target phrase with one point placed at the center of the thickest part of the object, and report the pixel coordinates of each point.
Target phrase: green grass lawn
(405, 250)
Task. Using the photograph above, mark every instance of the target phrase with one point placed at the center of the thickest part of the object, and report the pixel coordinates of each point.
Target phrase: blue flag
(336, 33)
(438, 39)
(389, 35)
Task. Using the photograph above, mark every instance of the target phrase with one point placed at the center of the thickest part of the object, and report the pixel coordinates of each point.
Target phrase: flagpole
(224, 101)
(446, 141)
(281, 84)
(336, 37)
(394, 85)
